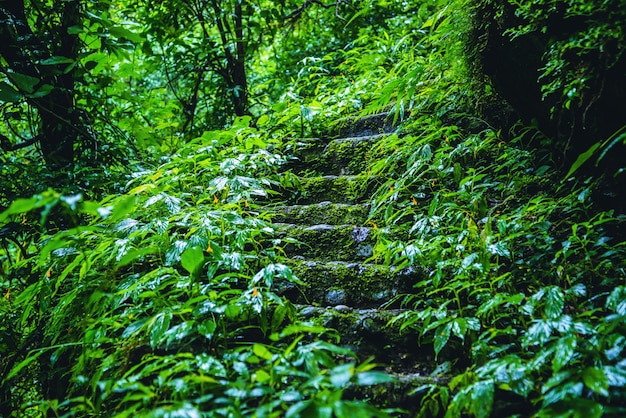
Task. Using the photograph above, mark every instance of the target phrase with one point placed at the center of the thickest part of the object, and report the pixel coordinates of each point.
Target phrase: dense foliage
(139, 270)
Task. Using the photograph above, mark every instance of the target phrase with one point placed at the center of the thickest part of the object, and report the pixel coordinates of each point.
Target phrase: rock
(336, 297)
(308, 311)
(360, 234)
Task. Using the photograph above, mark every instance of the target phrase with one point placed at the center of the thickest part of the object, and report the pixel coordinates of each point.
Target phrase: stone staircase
(327, 239)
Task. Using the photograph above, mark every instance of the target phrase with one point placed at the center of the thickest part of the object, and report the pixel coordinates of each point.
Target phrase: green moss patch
(323, 212)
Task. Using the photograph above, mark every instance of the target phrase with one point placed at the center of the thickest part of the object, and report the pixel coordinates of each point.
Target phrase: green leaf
(296, 410)
(134, 327)
(19, 206)
(357, 409)
(564, 351)
(75, 30)
(616, 300)
(56, 60)
(341, 375)
(596, 380)
(122, 207)
(192, 259)
(179, 331)
(8, 93)
(261, 351)
(134, 254)
(298, 328)
(442, 335)
(121, 32)
(582, 158)
(554, 301)
(207, 328)
(42, 91)
(24, 82)
(499, 248)
(32, 356)
(482, 398)
(158, 327)
(616, 137)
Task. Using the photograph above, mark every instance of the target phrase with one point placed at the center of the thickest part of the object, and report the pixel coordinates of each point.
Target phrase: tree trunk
(23, 50)
(235, 72)
(238, 66)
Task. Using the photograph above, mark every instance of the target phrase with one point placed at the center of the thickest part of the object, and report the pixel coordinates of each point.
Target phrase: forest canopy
(181, 180)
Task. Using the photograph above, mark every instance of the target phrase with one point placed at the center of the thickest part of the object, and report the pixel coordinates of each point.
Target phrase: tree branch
(7, 146)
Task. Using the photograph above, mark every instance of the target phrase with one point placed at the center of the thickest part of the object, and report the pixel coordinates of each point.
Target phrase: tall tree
(39, 61)
(207, 49)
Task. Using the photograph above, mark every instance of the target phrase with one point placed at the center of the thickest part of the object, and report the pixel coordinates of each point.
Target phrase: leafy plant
(160, 300)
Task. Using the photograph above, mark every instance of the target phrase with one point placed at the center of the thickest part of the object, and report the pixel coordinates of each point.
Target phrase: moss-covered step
(337, 189)
(326, 242)
(324, 212)
(303, 152)
(339, 156)
(332, 283)
(371, 332)
(362, 125)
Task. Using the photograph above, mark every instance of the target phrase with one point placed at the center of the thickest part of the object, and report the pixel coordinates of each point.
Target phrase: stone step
(363, 125)
(326, 242)
(349, 189)
(337, 157)
(323, 212)
(371, 335)
(370, 332)
(332, 283)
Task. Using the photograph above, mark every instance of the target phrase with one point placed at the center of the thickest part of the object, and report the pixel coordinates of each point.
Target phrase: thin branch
(7, 146)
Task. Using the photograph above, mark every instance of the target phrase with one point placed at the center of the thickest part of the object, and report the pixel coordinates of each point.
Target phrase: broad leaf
(192, 259)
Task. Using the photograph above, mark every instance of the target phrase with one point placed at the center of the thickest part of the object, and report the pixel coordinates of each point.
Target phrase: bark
(23, 50)
(239, 78)
(235, 72)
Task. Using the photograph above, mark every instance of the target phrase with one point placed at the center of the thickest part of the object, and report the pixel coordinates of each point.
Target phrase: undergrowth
(159, 301)
(524, 296)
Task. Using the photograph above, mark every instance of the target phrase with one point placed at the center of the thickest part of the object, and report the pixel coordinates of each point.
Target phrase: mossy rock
(337, 189)
(370, 332)
(323, 212)
(339, 156)
(350, 155)
(404, 395)
(362, 125)
(327, 242)
(305, 154)
(352, 284)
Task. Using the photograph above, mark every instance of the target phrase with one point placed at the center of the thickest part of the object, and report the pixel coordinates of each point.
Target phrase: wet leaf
(192, 259)
(482, 398)
(596, 380)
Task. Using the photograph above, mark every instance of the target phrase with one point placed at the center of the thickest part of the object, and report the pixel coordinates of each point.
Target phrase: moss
(325, 212)
(306, 153)
(348, 156)
(365, 285)
(338, 189)
(329, 242)
(367, 125)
